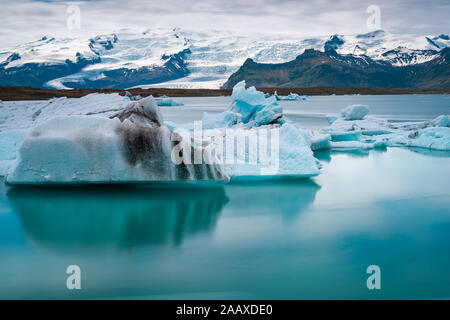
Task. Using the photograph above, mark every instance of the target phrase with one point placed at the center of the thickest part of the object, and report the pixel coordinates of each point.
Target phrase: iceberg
(250, 108)
(284, 159)
(319, 141)
(290, 97)
(369, 132)
(331, 119)
(355, 112)
(10, 142)
(169, 103)
(442, 121)
(132, 146)
(225, 119)
(28, 114)
(255, 109)
(436, 138)
(257, 121)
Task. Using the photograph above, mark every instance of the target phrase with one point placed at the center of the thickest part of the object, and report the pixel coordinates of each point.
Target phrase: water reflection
(431, 152)
(286, 198)
(95, 218)
(326, 155)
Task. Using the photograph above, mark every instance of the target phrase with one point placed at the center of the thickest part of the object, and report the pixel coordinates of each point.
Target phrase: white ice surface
(355, 112)
(92, 149)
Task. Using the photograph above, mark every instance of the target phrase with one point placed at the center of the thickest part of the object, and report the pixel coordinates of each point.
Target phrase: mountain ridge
(178, 58)
(317, 69)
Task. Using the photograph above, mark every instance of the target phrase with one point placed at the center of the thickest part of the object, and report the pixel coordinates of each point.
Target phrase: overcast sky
(27, 20)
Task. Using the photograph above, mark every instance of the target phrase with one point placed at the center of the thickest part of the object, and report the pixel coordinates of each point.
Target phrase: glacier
(131, 146)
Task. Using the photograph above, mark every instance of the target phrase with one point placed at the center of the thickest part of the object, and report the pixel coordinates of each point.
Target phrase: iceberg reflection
(286, 198)
(109, 217)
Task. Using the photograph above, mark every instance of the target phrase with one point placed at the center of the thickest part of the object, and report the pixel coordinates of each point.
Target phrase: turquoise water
(311, 113)
(295, 239)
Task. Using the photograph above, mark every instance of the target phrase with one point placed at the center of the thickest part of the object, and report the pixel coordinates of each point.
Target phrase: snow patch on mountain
(213, 55)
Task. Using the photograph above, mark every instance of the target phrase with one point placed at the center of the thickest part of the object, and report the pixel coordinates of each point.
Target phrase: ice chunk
(225, 119)
(290, 97)
(10, 142)
(319, 141)
(28, 114)
(442, 121)
(169, 103)
(345, 136)
(331, 119)
(289, 154)
(355, 112)
(368, 126)
(254, 107)
(437, 138)
(132, 146)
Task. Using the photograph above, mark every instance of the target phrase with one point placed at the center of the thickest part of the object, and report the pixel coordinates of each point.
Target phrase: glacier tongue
(132, 146)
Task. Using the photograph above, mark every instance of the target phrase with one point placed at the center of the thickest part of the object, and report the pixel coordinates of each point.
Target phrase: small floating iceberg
(250, 108)
(355, 130)
(290, 97)
(10, 142)
(168, 102)
(355, 112)
(275, 148)
(133, 146)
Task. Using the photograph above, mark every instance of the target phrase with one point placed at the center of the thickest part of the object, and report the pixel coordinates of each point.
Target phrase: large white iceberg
(271, 146)
(132, 146)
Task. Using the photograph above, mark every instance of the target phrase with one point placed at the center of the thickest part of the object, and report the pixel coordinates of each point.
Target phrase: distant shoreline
(27, 93)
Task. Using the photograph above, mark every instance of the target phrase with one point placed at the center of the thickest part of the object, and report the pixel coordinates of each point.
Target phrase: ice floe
(290, 97)
(271, 146)
(168, 102)
(108, 138)
(132, 146)
(355, 112)
(25, 115)
(355, 130)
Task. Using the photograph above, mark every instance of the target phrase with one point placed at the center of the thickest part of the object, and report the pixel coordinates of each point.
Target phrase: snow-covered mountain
(189, 59)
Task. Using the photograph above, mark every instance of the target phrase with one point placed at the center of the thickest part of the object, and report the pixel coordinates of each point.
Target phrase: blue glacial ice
(368, 132)
(355, 112)
(168, 102)
(290, 97)
(255, 109)
(10, 142)
(130, 147)
(254, 114)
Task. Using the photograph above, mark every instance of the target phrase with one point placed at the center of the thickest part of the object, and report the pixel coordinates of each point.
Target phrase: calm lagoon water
(311, 113)
(307, 238)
